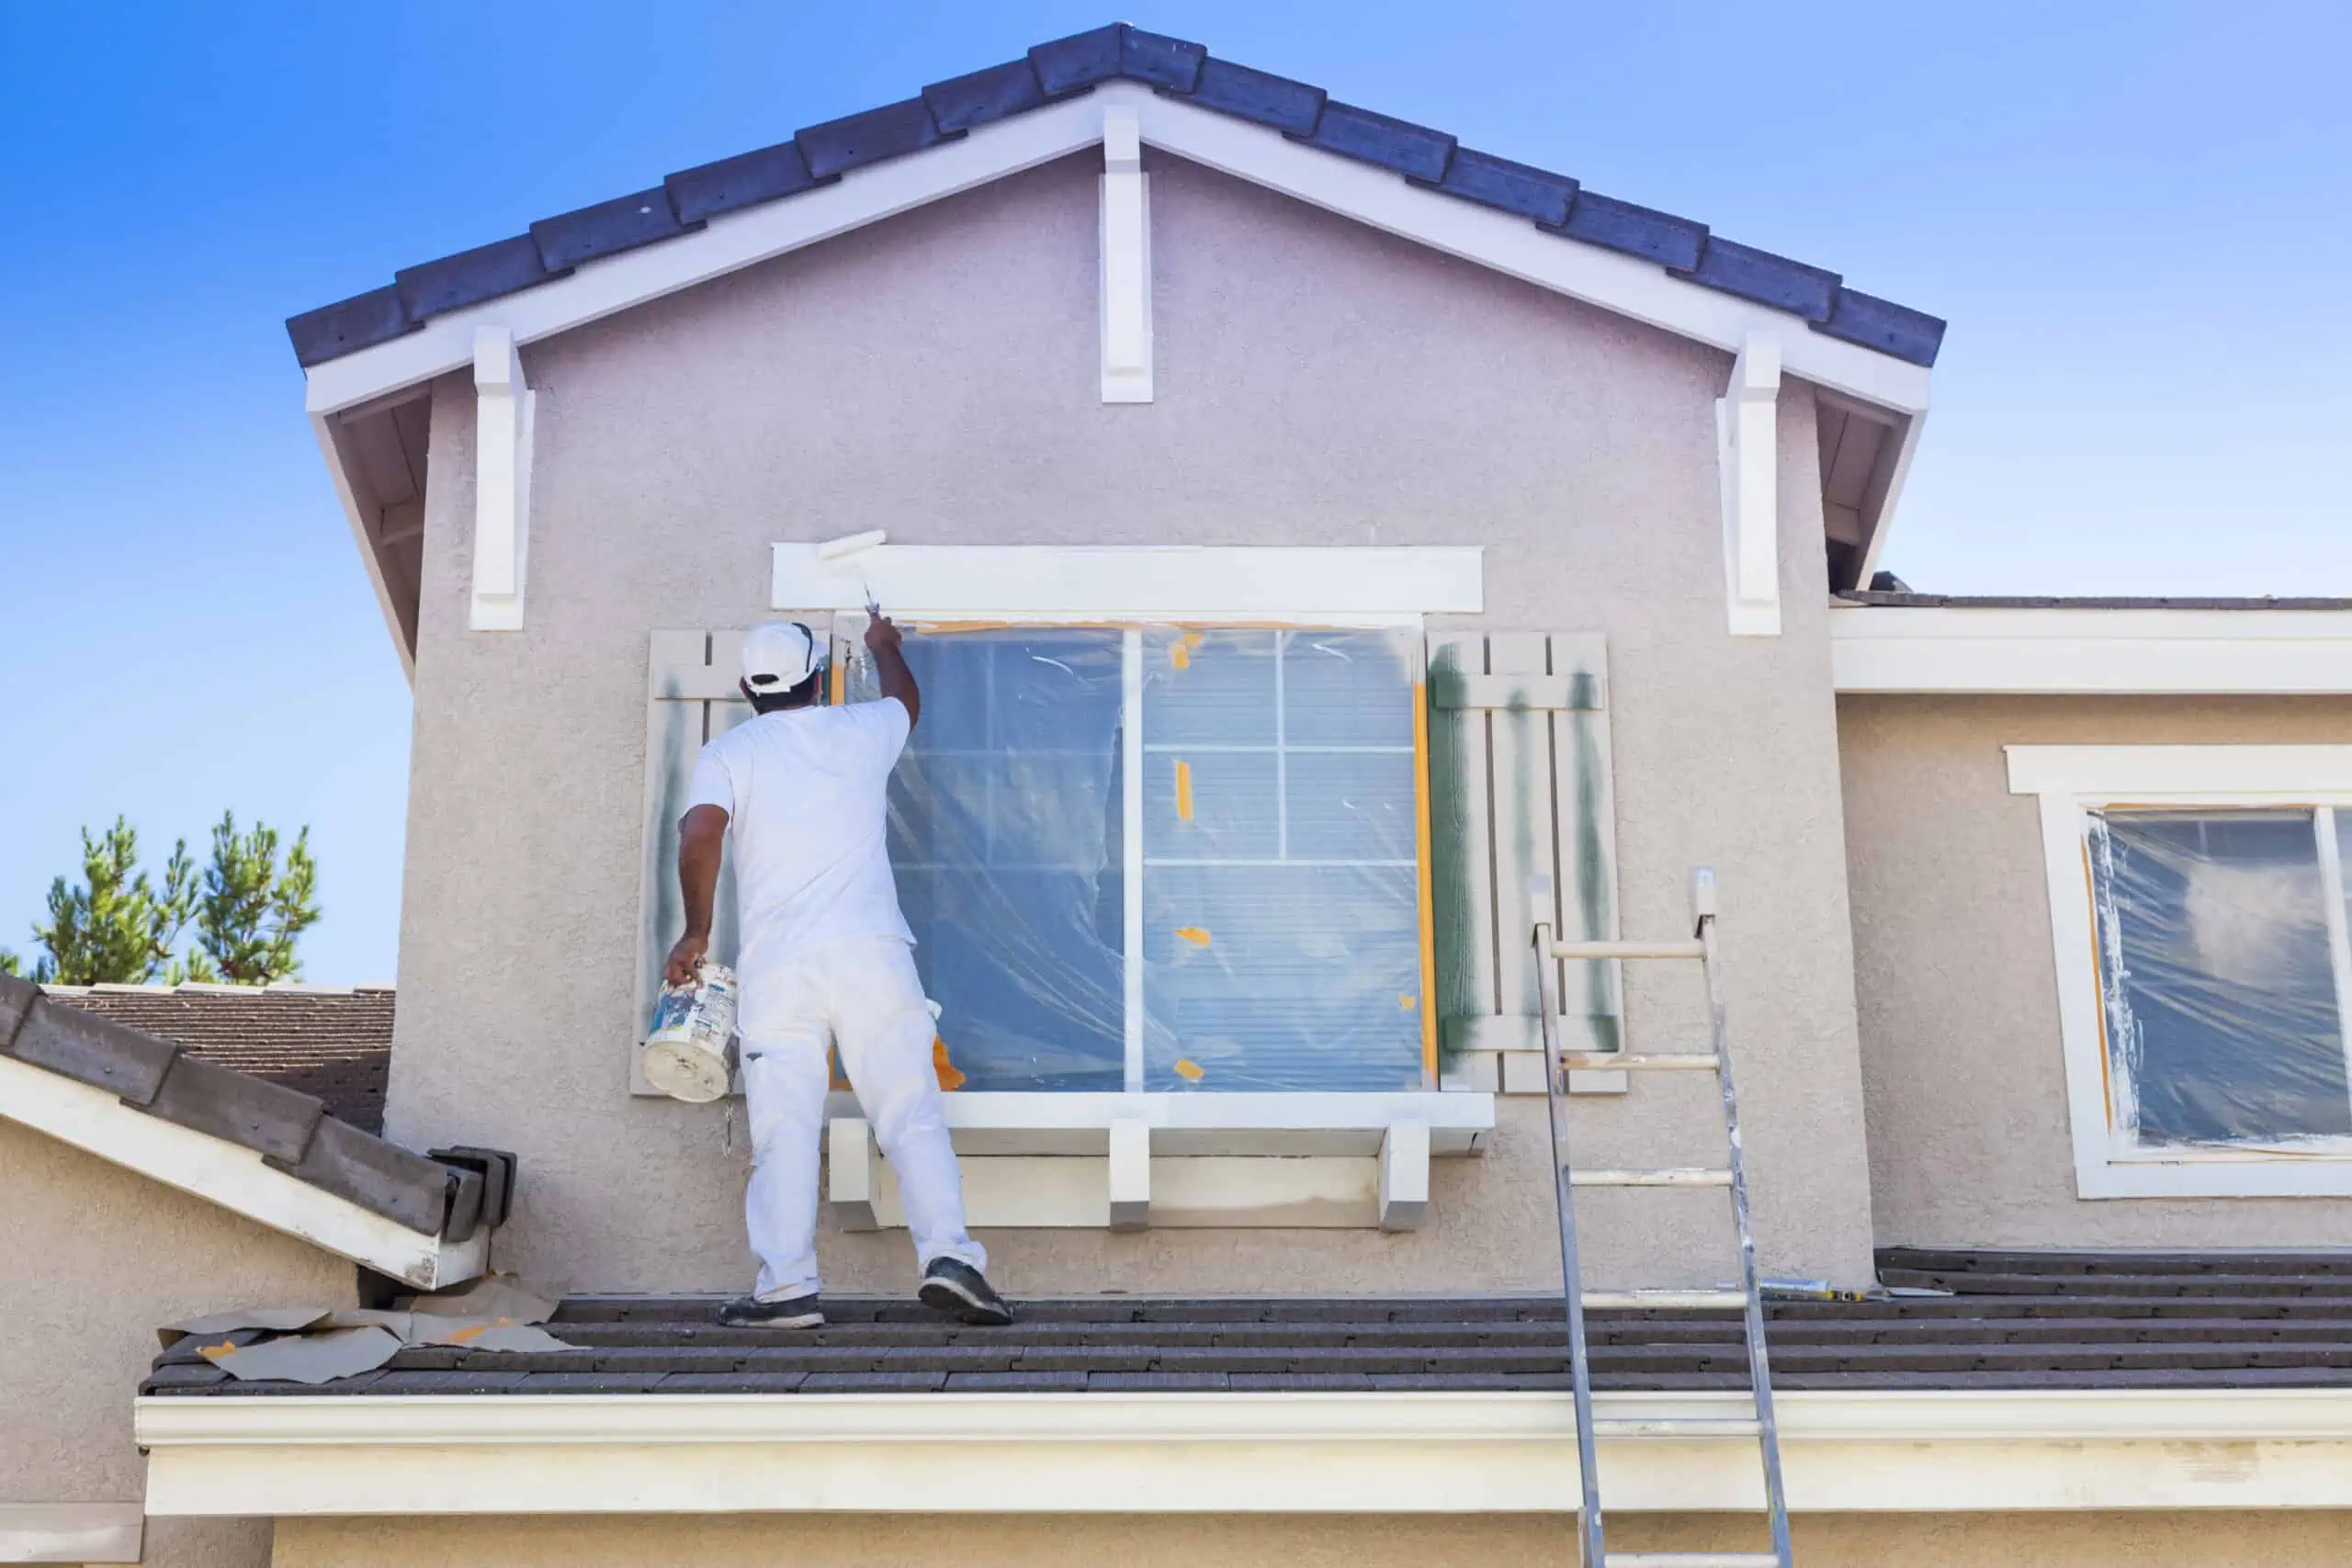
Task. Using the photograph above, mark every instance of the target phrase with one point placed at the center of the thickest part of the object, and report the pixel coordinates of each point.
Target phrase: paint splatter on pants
(861, 995)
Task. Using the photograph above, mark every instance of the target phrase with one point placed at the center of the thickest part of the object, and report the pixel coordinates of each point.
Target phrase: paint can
(690, 1055)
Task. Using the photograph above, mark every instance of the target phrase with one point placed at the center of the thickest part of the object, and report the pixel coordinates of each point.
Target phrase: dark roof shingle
(2016, 1320)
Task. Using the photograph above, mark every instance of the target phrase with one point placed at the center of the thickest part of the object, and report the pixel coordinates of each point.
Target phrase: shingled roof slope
(291, 1129)
(820, 154)
(2015, 1320)
(335, 1044)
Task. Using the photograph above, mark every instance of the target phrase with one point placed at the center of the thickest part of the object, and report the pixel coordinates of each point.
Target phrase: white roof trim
(2090, 651)
(232, 1176)
(1450, 1453)
(1626, 285)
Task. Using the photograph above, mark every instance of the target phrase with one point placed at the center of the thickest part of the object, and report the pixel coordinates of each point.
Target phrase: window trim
(2072, 781)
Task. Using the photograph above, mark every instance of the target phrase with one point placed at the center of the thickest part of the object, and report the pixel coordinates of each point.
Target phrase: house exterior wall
(1317, 384)
(1954, 974)
(96, 1260)
(2216, 1540)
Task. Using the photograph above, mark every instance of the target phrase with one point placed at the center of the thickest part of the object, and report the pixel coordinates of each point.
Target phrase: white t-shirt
(805, 793)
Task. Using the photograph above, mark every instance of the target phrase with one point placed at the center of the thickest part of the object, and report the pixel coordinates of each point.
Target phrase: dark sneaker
(793, 1311)
(951, 1285)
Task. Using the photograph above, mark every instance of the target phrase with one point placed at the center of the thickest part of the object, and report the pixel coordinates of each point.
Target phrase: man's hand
(686, 960)
(881, 632)
(890, 664)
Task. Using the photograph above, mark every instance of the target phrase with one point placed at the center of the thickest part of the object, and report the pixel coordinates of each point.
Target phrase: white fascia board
(2215, 775)
(1436, 1452)
(2064, 651)
(1362, 585)
(235, 1178)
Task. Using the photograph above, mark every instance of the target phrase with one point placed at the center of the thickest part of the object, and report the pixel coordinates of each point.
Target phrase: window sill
(1136, 1161)
(2216, 1174)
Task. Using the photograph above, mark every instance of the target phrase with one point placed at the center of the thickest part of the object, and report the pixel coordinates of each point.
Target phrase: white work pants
(863, 994)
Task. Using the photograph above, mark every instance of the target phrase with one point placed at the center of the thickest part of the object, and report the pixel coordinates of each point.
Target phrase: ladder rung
(1639, 1299)
(1671, 1178)
(1619, 1061)
(1677, 1427)
(1693, 1560)
(1693, 948)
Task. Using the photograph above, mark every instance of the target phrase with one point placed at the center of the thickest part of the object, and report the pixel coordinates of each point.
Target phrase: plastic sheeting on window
(1003, 835)
(2216, 975)
(1281, 914)
(1280, 942)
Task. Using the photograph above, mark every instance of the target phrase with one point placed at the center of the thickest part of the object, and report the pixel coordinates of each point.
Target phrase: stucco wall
(1956, 980)
(837, 1541)
(1318, 383)
(93, 1259)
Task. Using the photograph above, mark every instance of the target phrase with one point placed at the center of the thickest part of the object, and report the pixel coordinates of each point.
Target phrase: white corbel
(1130, 1174)
(1747, 447)
(1126, 262)
(1405, 1175)
(853, 1172)
(503, 408)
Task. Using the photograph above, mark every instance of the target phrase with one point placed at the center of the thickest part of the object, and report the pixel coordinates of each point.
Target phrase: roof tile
(1808, 291)
(1911, 335)
(486, 272)
(962, 102)
(247, 1111)
(1637, 231)
(1414, 150)
(745, 180)
(1162, 62)
(1515, 187)
(17, 999)
(607, 228)
(93, 1050)
(1287, 105)
(1075, 63)
(350, 325)
(855, 141)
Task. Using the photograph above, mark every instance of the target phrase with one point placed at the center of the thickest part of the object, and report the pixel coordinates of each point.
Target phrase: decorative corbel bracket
(1126, 262)
(503, 410)
(1747, 447)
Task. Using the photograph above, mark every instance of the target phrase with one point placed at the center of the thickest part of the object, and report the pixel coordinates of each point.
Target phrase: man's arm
(890, 664)
(702, 839)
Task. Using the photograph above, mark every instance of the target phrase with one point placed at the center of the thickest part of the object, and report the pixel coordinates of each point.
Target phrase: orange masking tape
(1184, 792)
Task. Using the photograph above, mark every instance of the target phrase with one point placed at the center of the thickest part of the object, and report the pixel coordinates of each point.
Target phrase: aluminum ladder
(1701, 946)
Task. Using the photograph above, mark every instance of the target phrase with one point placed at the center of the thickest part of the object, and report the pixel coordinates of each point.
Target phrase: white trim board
(1896, 649)
(1162, 1453)
(1358, 584)
(2069, 781)
(1338, 1122)
(72, 1532)
(235, 1178)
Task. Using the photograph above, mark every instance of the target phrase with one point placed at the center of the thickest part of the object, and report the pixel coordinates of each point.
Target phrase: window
(2205, 971)
(1166, 859)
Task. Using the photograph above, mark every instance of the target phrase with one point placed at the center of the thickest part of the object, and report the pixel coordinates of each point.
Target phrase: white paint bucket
(690, 1055)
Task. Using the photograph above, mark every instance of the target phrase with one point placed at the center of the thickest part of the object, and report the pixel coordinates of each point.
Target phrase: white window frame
(2073, 781)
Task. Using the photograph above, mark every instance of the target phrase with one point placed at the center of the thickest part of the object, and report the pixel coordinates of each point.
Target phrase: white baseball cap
(779, 655)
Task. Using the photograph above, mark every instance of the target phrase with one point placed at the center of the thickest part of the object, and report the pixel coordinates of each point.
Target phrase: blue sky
(2136, 219)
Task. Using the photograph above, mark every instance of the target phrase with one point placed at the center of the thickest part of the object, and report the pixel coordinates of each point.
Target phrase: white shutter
(1519, 784)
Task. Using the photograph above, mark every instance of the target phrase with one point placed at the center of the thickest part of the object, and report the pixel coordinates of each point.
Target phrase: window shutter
(1519, 785)
(690, 696)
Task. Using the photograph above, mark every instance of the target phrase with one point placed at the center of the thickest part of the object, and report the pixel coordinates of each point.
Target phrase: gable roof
(261, 1149)
(944, 111)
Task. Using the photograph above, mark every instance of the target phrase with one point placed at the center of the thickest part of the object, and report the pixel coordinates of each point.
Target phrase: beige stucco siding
(838, 1540)
(93, 1259)
(1956, 981)
(1317, 383)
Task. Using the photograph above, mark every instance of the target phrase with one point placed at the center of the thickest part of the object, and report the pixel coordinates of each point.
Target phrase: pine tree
(253, 908)
(116, 928)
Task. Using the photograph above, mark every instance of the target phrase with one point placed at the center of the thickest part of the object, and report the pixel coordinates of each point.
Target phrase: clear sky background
(2138, 219)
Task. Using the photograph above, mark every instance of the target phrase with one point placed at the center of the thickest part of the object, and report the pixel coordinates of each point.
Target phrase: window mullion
(1131, 842)
(2339, 941)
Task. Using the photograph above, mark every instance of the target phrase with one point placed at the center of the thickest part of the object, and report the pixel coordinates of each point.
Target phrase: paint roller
(850, 545)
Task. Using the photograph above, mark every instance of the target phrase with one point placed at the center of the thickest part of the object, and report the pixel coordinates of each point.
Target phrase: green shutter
(1519, 785)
